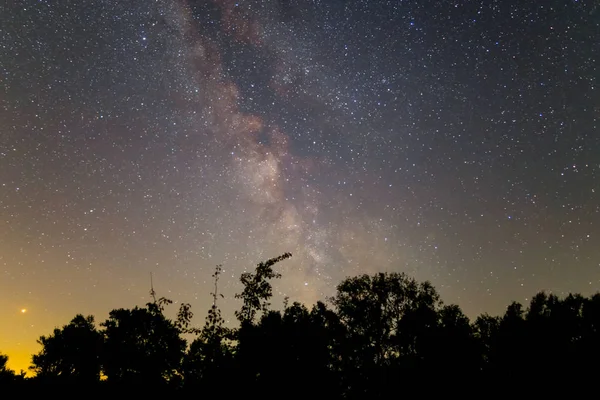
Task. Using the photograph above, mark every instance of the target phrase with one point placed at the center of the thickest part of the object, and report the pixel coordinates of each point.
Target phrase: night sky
(458, 142)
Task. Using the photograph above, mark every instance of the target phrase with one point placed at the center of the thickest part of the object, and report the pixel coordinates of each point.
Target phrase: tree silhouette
(389, 320)
(456, 351)
(257, 289)
(8, 376)
(209, 358)
(142, 346)
(384, 313)
(590, 340)
(283, 349)
(70, 354)
(512, 343)
(557, 324)
(382, 333)
(213, 330)
(486, 330)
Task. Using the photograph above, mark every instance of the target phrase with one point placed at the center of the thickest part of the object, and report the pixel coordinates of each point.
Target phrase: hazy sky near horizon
(458, 142)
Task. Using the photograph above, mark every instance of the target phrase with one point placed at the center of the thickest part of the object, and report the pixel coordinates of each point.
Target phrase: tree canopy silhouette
(70, 354)
(376, 334)
(7, 375)
(142, 346)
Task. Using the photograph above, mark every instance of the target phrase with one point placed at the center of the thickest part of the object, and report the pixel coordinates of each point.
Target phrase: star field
(456, 141)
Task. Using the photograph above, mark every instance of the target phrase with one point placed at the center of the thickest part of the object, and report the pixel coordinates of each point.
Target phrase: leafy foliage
(387, 316)
(71, 353)
(142, 346)
(210, 355)
(257, 289)
(213, 330)
(8, 376)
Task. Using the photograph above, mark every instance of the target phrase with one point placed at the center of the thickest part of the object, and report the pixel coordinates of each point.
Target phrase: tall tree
(512, 345)
(589, 345)
(142, 346)
(456, 348)
(390, 319)
(213, 330)
(486, 331)
(282, 349)
(209, 358)
(70, 354)
(385, 313)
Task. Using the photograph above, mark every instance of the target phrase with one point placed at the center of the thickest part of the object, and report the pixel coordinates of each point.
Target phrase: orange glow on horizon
(20, 359)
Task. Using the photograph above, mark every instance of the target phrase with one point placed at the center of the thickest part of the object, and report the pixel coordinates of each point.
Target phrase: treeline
(379, 336)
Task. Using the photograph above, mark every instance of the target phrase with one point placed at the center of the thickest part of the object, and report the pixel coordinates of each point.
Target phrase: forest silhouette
(380, 336)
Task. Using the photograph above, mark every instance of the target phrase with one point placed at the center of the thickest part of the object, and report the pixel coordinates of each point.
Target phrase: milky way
(457, 142)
